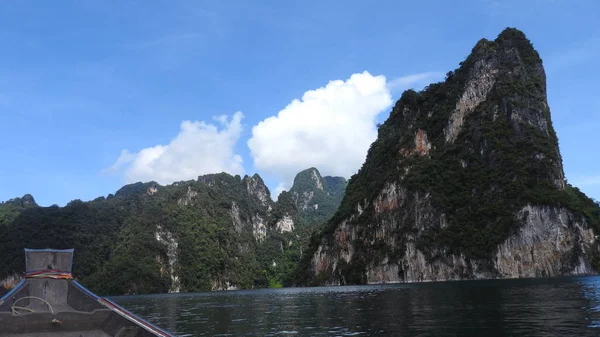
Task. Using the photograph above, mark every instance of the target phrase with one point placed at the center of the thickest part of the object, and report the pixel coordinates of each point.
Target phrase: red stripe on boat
(128, 315)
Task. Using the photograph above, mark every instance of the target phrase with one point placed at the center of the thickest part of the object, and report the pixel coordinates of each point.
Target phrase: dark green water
(533, 307)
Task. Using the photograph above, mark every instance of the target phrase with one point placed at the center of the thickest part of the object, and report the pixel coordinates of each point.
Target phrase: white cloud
(406, 82)
(199, 148)
(330, 128)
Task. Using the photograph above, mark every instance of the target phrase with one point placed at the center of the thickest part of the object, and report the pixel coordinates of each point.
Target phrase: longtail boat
(49, 302)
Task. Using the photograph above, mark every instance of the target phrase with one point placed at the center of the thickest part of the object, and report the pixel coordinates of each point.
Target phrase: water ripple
(561, 307)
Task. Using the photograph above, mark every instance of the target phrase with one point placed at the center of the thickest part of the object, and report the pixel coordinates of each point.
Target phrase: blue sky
(82, 81)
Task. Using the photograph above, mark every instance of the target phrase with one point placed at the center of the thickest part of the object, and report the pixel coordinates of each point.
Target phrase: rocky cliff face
(316, 197)
(465, 181)
(168, 261)
(257, 188)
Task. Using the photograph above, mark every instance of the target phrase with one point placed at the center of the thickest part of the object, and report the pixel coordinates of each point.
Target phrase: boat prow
(49, 302)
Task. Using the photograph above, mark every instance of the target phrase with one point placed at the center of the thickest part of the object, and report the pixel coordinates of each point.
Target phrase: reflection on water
(542, 307)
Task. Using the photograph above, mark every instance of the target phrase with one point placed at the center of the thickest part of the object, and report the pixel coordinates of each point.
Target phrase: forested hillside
(216, 232)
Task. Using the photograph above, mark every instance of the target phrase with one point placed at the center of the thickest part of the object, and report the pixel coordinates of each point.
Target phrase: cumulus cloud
(330, 128)
(199, 148)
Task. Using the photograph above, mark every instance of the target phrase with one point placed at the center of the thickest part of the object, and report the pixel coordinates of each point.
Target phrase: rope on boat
(47, 273)
(14, 308)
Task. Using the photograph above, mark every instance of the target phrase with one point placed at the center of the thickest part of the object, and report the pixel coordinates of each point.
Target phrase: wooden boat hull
(51, 303)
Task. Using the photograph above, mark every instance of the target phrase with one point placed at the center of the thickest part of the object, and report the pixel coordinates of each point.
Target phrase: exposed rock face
(236, 218)
(257, 188)
(221, 285)
(422, 145)
(481, 80)
(316, 177)
(259, 229)
(303, 200)
(286, 224)
(188, 199)
(166, 238)
(138, 188)
(257, 222)
(152, 190)
(316, 197)
(465, 181)
(552, 241)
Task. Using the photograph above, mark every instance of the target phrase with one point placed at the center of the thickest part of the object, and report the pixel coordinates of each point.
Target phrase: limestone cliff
(465, 180)
(257, 188)
(316, 197)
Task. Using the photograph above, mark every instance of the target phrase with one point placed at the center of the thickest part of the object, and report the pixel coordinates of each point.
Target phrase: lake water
(530, 307)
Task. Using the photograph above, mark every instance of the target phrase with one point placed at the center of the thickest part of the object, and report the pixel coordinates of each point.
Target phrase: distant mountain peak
(257, 188)
(138, 188)
(26, 200)
(10, 209)
(310, 176)
(316, 196)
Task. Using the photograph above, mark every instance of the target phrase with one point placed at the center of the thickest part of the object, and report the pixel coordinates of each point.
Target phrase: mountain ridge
(217, 232)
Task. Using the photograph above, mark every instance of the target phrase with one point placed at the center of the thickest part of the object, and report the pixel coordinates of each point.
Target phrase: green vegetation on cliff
(213, 233)
(10, 209)
(479, 145)
(317, 197)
